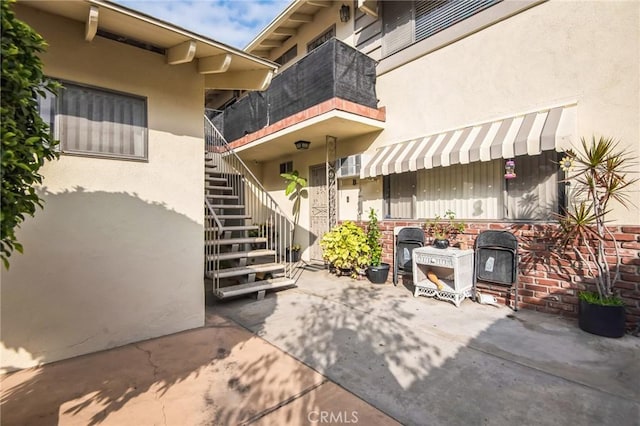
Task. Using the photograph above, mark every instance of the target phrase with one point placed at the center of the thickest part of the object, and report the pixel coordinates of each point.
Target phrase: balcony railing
(333, 70)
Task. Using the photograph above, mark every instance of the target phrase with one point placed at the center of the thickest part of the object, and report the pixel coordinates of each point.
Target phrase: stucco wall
(552, 54)
(116, 255)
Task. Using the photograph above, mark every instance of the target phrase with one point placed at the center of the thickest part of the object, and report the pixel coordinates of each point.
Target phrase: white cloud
(234, 22)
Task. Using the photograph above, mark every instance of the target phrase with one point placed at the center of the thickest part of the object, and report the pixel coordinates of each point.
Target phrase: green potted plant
(377, 272)
(442, 229)
(296, 190)
(598, 174)
(345, 248)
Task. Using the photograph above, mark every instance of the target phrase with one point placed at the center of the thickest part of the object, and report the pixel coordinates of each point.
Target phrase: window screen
(326, 36)
(97, 122)
(287, 56)
(478, 190)
(286, 167)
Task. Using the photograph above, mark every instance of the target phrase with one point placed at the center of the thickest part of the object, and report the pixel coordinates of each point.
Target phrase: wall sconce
(302, 145)
(510, 169)
(345, 13)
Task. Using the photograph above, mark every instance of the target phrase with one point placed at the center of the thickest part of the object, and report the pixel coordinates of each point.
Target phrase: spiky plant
(599, 175)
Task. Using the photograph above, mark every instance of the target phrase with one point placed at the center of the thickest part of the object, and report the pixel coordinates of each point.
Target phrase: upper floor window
(408, 22)
(326, 36)
(287, 56)
(97, 122)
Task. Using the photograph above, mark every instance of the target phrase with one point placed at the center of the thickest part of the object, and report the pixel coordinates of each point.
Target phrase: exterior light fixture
(302, 145)
(510, 169)
(345, 13)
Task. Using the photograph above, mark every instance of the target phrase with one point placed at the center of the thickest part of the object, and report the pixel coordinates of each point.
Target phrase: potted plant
(345, 248)
(296, 190)
(377, 272)
(293, 253)
(442, 229)
(598, 175)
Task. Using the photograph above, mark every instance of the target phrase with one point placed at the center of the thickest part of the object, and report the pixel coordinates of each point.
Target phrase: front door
(319, 210)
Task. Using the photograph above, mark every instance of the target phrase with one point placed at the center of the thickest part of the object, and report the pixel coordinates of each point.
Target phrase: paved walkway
(426, 362)
(337, 351)
(217, 375)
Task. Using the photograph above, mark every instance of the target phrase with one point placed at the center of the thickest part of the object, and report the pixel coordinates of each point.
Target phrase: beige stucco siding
(552, 54)
(116, 255)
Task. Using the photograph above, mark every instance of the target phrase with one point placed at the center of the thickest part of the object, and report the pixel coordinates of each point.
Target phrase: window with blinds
(408, 22)
(97, 122)
(478, 191)
(322, 38)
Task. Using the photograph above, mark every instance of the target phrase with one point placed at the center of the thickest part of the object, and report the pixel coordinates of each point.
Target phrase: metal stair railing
(274, 224)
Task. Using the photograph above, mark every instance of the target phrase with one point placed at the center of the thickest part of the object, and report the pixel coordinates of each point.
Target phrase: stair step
(215, 179)
(241, 254)
(244, 270)
(210, 169)
(234, 216)
(228, 216)
(227, 206)
(222, 197)
(229, 241)
(218, 188)
(237, 290)
(233, 228)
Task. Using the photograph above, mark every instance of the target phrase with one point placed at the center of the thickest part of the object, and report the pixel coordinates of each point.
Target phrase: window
(286, 167)
(287, 56)
(408, 22)
(97, 122)
(399, 195)
(478, 190)
(326, 36)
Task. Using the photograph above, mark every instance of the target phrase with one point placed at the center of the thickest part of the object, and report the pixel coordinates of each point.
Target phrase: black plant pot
(378, 274)
(607, 321)
(293, 255)
(441, 244)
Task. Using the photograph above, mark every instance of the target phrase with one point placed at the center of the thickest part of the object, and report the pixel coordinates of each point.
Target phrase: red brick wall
(547, 282)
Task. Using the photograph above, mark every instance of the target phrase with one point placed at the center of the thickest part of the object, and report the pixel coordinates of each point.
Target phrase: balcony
(331, 91)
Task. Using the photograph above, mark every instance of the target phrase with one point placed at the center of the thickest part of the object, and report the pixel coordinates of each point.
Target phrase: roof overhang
(224, 67)
(286, 25)
(337, 123)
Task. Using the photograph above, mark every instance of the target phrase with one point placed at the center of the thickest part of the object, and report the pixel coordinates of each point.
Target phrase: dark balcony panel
(355, 76)
(333, 70)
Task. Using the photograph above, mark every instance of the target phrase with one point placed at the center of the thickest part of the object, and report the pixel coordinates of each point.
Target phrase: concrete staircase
(240, 256)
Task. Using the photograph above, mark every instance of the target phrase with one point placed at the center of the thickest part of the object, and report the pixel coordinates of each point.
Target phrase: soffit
(287, 20)
(135, 25)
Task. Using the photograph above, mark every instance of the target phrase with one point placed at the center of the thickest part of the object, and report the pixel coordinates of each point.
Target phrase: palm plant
(600, 175)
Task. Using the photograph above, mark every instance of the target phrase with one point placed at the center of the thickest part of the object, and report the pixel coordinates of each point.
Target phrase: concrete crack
(151, 363)
(155, 379)
(287, 401)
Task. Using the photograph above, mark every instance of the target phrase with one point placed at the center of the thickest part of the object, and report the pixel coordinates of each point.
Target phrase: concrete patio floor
(426, 362)
(338, 351)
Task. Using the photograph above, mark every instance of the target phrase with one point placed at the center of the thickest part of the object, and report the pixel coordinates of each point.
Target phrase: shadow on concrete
(423, 361)
(94, 275)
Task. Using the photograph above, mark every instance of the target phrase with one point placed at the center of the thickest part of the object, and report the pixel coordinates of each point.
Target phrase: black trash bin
(406, 239)
(496, 261)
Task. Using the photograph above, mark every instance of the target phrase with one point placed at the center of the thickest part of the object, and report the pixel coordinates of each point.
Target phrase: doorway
(319, 209)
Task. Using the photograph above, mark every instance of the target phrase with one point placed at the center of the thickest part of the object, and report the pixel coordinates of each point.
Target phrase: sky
(233, 22)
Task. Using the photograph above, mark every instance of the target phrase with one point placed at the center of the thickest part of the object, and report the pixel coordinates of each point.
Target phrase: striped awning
(528, 134)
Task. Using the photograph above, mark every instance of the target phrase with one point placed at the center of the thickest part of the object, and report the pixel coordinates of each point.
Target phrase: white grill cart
(453, 267)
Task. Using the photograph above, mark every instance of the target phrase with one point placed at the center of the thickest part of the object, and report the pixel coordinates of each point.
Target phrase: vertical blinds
(92, 121)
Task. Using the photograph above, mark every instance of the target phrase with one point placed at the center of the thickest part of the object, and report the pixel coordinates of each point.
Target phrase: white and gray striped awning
(528, 134)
